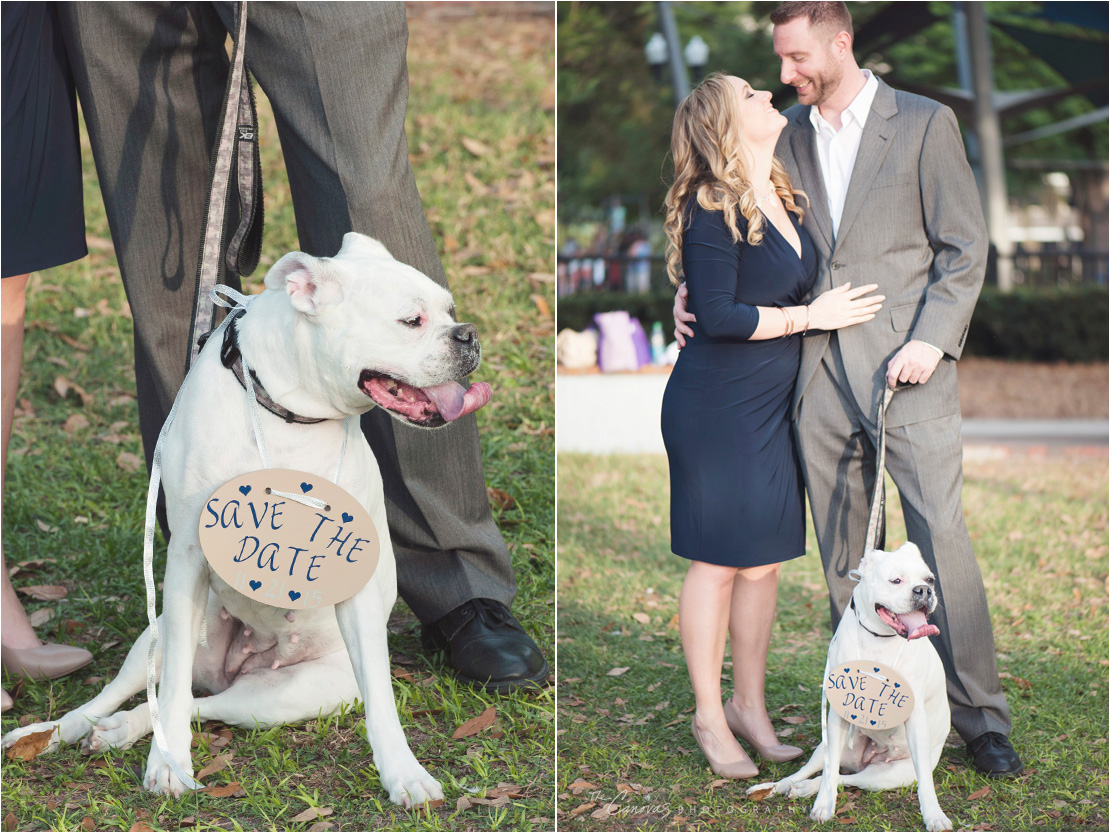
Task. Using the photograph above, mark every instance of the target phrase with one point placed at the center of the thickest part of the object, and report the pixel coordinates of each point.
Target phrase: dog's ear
(867, 563)
(307, 280)
(909, 548)
(355, 243)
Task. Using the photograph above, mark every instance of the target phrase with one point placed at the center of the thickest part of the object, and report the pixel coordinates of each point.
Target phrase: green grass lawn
(1040, 533)
(481, 137)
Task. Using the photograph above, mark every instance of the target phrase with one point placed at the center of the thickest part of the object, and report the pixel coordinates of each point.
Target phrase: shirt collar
(859, 108)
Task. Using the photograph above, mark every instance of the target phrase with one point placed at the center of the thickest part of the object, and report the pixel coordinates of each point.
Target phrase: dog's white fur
(308, 337)
(890, 758)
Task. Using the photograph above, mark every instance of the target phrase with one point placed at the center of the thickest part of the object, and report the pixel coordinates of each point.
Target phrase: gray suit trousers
(924, 459)
(151, 79)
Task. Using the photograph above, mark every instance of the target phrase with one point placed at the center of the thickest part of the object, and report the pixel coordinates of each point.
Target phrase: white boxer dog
(328, 339)
(888, 622)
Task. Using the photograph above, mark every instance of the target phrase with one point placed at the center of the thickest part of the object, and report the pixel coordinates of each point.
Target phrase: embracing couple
(784, 226)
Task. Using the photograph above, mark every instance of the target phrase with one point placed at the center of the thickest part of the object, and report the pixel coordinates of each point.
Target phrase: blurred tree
(614, 118)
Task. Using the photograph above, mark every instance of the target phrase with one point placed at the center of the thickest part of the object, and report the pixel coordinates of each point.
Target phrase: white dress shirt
(837, 150)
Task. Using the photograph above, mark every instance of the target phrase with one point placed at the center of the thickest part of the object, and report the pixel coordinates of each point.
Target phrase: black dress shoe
(487, 647)
(994, 755)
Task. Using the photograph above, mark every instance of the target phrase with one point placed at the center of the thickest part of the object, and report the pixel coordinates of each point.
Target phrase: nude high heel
(742, 768)
(777, 753)
(46, 661)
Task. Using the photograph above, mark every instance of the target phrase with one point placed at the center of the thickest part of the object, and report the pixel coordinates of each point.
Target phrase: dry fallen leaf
(45, 527)
(88, 823)
(128, 461)
(323, 825)
(542, 306)
(793, 719)
(500, 499)
(75, 423)
(616, 672)
(62, 386)
(474, 146)
(603, 812)
(41, 616)
(45, 592)
(642, 618)
(313, 813)
(1016, 680)
(28, 747)
(759, 795)
(476, 724)
(580, 786)
(581, 808)
(10, 822)
(462, 804)
(222, 791)
(140, 827)
(215, 765)
(975, 796)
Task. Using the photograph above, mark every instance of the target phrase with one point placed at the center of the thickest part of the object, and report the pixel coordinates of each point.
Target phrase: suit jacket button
(835, 264)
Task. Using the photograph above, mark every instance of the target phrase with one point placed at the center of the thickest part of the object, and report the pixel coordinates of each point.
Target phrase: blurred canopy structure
(1046, 83)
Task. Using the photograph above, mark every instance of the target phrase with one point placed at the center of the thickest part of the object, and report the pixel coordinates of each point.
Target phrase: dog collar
(860, 623)
(232, 359)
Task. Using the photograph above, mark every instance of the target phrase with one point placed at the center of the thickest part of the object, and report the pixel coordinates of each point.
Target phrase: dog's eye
(896, 581)
(930, 580)
(413, 322)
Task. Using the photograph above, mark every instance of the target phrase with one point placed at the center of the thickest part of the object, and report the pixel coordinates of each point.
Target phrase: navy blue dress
(736, 486)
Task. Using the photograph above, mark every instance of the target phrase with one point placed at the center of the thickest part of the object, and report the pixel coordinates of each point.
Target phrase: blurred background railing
(1049, 265)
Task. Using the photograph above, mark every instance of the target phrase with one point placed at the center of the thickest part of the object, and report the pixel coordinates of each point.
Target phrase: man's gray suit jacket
(913, 224)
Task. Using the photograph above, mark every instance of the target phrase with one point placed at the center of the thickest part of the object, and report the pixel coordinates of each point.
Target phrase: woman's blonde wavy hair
(711, 164)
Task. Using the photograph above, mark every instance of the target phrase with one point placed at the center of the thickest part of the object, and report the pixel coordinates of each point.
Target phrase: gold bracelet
(806, 330)
(789, 318)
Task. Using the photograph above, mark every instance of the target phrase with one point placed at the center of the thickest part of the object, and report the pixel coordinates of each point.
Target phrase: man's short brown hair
(828, 19)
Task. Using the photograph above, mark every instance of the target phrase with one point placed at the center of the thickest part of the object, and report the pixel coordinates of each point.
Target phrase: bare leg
(703, 616)
(754, 597)
(16, 627)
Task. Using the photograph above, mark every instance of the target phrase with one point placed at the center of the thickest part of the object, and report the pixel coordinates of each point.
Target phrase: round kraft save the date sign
(283, 553)
(870, 694)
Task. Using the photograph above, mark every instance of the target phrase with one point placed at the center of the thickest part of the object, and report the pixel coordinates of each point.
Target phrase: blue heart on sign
(294, 595)
(255, 585)
(246, 490)
(897, 685)
(347, 518)
(872, 722)
(845, 670)
(876, 670)
(855, 717)
(306, 487)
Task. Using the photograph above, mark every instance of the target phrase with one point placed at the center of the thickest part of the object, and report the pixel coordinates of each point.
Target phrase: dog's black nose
(465, 334)
(922, 591)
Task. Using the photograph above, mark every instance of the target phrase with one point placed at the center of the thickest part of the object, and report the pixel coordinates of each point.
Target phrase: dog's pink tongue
(452, 400)
(917, 625)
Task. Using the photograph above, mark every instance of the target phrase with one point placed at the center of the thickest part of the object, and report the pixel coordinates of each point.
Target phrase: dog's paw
(937, 821)
(802, 789)
(160, 778)
(112, 732)
(52, 726)
(410, 785)
(823, 808)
